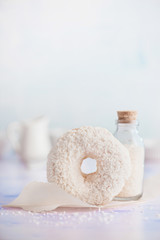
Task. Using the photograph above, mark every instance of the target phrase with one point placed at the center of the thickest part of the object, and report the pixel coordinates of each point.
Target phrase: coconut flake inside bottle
(127, 133)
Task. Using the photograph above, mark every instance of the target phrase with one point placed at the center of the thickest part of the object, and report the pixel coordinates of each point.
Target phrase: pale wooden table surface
(140, 221)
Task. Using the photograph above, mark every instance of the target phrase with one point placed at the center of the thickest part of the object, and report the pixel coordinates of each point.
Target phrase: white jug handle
(14, 132)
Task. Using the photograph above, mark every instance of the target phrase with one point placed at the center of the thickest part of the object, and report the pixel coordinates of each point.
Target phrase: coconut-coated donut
(113, 164)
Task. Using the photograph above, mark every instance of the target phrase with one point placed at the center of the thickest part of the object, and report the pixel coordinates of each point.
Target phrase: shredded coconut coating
(113, 164)
(133, 186)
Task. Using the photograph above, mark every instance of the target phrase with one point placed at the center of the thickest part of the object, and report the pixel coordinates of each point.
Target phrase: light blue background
(80, 61)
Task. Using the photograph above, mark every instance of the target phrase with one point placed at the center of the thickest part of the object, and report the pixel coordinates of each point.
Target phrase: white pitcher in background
(30, 139)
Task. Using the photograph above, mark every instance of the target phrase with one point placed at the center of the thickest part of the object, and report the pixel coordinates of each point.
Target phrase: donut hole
(88, 166)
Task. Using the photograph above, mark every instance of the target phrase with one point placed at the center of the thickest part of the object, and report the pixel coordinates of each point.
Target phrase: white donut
(113, 164)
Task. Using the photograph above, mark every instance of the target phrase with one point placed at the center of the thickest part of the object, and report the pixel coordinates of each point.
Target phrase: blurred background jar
(127, 133)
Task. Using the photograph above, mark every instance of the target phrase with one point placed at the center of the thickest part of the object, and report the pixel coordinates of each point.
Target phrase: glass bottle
(127, 133)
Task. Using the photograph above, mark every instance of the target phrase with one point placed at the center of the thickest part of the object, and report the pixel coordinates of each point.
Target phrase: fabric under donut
(113, 164)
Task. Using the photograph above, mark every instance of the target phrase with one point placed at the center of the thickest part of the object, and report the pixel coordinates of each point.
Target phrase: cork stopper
(127, 116)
